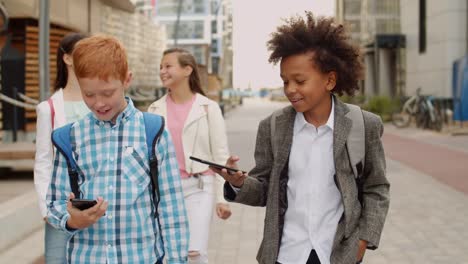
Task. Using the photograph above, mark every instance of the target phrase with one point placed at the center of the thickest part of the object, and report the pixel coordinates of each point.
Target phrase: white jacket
(43, 164)
(203, 136)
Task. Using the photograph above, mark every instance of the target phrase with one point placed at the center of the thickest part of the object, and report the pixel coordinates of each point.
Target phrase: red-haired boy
(109, 147)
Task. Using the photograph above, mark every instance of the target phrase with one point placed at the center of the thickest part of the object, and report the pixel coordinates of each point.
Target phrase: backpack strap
(154, 126)
(52, 111)
(61, 140)
(356, 140)
(356, 146)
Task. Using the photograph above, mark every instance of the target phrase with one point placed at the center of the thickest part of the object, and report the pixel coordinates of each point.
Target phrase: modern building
(225, 52)
(203, 27)
(144, 41)
(436, 34)
(375, 26)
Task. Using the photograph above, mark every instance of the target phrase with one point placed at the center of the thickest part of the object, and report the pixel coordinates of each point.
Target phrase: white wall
(446, 42)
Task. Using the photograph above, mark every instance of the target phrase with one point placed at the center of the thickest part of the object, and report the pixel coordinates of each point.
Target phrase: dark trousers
(313, 258)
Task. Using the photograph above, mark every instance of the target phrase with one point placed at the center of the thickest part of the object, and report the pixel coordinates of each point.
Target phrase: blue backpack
(154, 126)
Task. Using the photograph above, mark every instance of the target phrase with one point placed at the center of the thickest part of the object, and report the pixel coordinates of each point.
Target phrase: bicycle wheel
(437, 123)
(422, 116)
(401, 119)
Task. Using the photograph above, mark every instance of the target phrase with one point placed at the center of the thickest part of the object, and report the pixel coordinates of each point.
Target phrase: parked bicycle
(422, 110)
(408, 111)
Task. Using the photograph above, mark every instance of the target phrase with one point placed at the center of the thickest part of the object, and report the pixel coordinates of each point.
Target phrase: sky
(254, 21)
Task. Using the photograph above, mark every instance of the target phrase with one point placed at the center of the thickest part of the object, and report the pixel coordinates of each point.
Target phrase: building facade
(436, 33)
(203, 27)
(375, 26)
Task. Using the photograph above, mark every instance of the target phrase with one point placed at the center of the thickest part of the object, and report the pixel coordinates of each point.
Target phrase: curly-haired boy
(317, 211)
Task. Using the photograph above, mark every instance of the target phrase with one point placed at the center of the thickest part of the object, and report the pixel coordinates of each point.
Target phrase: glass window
(214, 28)
(214, 46)
(352, 7)
(189, 7)
(187, 29)
(215, 65)
(198, 52)
(388, 7)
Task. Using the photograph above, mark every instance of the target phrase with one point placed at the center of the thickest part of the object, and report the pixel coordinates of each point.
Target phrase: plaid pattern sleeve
(57, 195)
(173, 218)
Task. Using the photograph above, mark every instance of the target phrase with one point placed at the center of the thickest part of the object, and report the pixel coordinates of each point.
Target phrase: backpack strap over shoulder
(154, 126)
(356, 140)
(61, 140)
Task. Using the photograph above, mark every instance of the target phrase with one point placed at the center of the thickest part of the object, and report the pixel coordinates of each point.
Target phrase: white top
(314, 201)
(44, 158)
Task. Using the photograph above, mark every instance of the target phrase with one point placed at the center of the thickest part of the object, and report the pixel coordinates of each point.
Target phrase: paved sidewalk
(427, 221)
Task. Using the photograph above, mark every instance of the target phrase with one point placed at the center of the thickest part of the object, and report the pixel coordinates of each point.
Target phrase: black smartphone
(218, 166)
(83, 204)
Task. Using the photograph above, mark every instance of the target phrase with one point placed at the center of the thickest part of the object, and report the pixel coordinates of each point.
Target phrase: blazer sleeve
(254, 192)
(44, 155)
(218, 144)
(376, 198)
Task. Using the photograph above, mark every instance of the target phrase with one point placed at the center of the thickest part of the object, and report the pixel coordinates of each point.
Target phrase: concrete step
(19, 217)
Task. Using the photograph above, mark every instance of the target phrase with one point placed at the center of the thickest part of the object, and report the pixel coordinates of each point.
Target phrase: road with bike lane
(439, 155)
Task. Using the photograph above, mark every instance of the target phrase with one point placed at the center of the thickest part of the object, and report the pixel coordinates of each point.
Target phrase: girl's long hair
(66, 47)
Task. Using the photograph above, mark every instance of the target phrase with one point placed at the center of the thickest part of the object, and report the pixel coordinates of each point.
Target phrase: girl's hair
(331, 46)
(66, 47)
(185, 58)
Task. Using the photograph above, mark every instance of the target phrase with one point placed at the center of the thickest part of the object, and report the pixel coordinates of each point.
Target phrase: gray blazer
(267, 182)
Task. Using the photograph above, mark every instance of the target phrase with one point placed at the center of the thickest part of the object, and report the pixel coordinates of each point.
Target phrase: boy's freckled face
(304, 85)
(106, 99)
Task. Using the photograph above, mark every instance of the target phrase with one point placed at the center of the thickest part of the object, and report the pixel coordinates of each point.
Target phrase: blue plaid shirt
(113, 163)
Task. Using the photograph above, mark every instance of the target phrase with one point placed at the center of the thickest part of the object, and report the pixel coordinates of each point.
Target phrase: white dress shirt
(314, 201)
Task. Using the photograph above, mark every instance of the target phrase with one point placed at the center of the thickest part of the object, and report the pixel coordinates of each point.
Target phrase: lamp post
(215, 6)
(44, 49)
(176, 27)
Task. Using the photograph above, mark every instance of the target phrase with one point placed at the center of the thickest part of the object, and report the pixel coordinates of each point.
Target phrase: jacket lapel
(342, 127)
(159, 107)
(284, 135)
(340, 135)
(197, 111)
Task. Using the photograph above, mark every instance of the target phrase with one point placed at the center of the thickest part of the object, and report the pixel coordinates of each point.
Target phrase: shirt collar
(300, 121)
(122, 117)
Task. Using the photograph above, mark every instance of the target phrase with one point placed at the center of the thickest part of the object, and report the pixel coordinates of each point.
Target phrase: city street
(428, 210)
(427, 221)
(403, 60)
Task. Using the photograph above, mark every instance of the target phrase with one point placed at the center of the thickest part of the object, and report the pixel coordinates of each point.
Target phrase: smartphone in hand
(83, 204)
(218, 166)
